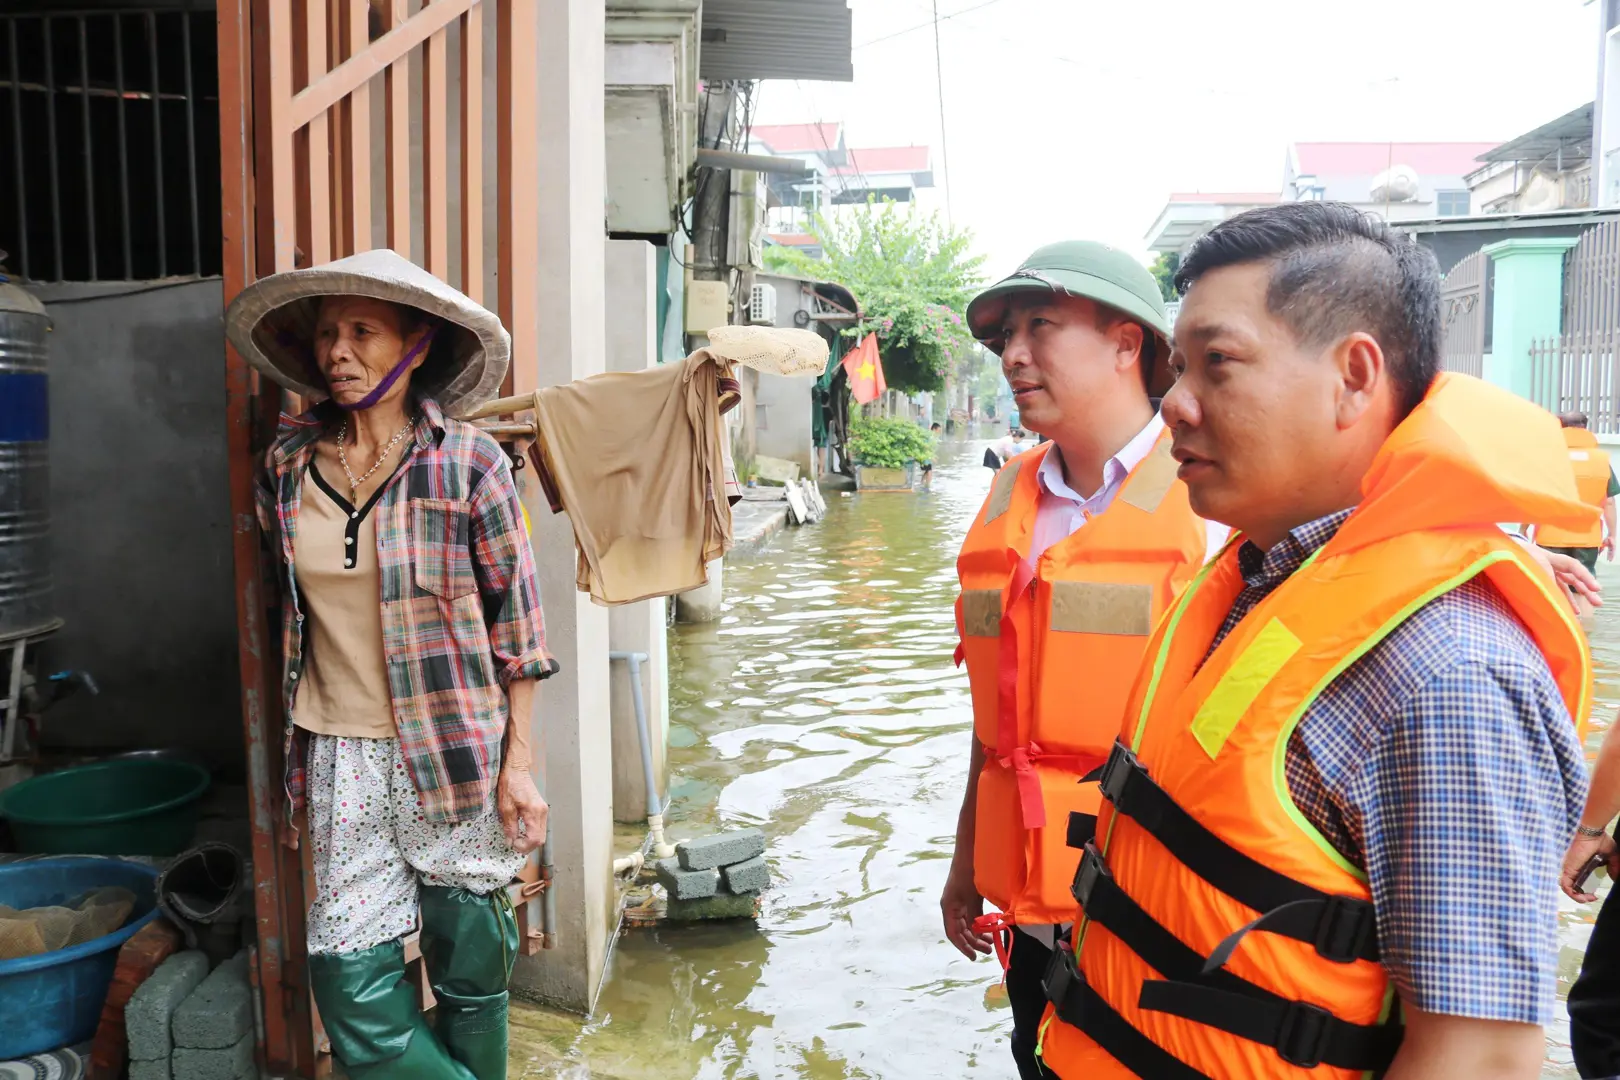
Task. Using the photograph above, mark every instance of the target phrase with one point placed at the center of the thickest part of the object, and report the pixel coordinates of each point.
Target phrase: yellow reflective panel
(1271, 648)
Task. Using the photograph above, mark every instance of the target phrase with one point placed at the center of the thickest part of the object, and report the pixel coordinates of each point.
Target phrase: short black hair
(1336, 270)
(1572, 419)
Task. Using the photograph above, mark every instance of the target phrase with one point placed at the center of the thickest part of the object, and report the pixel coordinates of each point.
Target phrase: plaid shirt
(460, 602)
(1444, 764)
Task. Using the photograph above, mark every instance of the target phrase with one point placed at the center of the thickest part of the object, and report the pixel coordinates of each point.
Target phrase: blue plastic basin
(54, 999)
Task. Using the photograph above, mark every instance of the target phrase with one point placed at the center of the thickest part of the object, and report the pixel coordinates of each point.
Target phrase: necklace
(343, 459)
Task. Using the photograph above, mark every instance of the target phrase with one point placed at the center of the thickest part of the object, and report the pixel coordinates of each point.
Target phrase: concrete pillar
(1528, 300)
(703, 603)
(632, 345)
(573, 705)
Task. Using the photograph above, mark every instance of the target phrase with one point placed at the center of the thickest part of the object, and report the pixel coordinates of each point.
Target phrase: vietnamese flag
(865, 371)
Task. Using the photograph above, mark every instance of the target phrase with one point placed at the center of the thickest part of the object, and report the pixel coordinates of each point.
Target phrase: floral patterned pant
(371, 845)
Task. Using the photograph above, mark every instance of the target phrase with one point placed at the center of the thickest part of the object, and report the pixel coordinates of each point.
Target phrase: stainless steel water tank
(25, 563)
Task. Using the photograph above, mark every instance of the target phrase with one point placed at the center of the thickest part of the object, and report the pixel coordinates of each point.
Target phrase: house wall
(783, 420)
(140, 519)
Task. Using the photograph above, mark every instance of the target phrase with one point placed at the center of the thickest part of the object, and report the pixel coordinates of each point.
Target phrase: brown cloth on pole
(640, 462)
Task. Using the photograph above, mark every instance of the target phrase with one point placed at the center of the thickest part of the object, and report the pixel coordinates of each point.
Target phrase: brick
(721, 849)
(719, 906)
(686, 884)
(149, 1070)
(219, 1012)
(229, 1063)
(151, 1009)
(137, 959)
(749, 876)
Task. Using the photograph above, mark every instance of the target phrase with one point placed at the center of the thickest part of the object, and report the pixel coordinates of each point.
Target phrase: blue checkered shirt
(1444, 764)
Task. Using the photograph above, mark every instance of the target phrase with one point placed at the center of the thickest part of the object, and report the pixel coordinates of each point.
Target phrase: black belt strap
(1341, 928)
(1303, 1034)
(1079, 1006)
(1106, 904)
(1082, 827)
(1343, 1044)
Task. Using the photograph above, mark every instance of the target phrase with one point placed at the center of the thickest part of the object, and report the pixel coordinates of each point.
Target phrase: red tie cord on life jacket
(999, 925)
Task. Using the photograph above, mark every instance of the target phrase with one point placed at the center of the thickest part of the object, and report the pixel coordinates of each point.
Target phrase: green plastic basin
(127, 807)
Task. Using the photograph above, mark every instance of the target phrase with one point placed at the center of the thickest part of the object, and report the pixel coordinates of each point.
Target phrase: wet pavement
(824, 709)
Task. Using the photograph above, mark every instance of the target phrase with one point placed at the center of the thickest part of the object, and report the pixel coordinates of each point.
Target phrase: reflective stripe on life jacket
(1051, 647)
(1591, 465)
(1223, 936)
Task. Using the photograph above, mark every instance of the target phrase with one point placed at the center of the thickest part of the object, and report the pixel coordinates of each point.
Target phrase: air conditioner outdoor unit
(762, 304)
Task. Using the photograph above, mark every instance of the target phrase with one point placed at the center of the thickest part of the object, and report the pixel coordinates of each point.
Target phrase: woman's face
(358, 341)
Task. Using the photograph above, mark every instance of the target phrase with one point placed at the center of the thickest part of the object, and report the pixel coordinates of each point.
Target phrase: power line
(923, 26)
(944, 153)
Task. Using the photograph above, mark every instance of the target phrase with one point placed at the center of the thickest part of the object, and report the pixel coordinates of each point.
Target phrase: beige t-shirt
(344, 690)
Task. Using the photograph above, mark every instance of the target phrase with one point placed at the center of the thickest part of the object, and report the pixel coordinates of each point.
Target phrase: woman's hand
(523, 812)
(1570, 574)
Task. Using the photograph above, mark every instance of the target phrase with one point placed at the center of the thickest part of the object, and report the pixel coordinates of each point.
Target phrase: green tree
(913, 277)
(1164, 271)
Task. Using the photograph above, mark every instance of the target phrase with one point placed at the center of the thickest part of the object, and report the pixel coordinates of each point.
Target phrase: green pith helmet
(1099, 273)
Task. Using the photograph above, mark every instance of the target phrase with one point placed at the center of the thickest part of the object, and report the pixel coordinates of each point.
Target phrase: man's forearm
(967, 819)
(1603, 799)
(520, 718)
(1608, 519)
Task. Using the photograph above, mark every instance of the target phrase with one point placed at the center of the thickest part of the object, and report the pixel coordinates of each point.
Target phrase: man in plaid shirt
(412, 641)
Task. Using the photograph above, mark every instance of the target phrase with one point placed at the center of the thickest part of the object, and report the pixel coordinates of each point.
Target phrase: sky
(1071, 119)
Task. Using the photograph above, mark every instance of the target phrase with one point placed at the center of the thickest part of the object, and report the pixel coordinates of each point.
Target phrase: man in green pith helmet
(1060, 583)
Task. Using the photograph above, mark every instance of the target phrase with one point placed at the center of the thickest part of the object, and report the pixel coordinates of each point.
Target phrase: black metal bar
(50, 125)
(17, 148)
(157, 147)
(89, 161)
(123, 147)
(191, 146)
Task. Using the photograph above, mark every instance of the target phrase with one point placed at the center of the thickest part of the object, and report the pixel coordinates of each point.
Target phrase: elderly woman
(412, 641)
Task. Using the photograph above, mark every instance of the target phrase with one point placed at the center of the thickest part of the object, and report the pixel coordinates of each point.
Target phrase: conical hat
(272, 323)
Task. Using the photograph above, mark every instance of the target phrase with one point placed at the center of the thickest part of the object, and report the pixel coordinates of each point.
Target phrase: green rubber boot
(374, 1019)
(469, 943)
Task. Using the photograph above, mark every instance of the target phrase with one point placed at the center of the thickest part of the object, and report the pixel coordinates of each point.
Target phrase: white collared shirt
(1062, 511)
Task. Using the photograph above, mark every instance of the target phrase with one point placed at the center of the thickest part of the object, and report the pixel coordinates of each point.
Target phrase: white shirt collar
(1116, 469)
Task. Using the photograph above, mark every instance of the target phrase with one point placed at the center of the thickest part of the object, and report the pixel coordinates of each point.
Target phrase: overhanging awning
(776, 39)
(1569, 136)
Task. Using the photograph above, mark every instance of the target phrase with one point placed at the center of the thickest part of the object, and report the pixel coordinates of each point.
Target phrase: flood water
(824, 709)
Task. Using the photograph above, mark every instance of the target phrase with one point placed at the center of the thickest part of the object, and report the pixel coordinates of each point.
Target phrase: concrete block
(721, 849)
(190, 1063)
(684, 884)
(137, 959)
(719, 906)
(151, 1008)
(748, 876)
(149, 1070)
(219, 1012)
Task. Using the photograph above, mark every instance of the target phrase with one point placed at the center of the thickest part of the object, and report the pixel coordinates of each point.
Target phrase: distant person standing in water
(928, 466)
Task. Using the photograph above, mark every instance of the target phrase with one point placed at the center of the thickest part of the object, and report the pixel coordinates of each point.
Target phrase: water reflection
(824, 709)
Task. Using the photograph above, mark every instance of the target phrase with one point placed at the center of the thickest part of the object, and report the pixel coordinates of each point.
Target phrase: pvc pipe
(655, 810)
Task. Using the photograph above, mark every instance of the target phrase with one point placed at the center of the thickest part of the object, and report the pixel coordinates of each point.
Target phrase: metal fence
(1579, 370)
(1462, 311)
(109, 142)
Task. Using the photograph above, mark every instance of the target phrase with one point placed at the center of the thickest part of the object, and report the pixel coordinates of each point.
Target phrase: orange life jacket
(1051, 650)
(1591, 464)
(1224, 938)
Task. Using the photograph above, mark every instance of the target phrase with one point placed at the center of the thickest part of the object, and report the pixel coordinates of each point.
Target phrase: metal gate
(1462, 313)
(1579, 370)
(345, 125)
